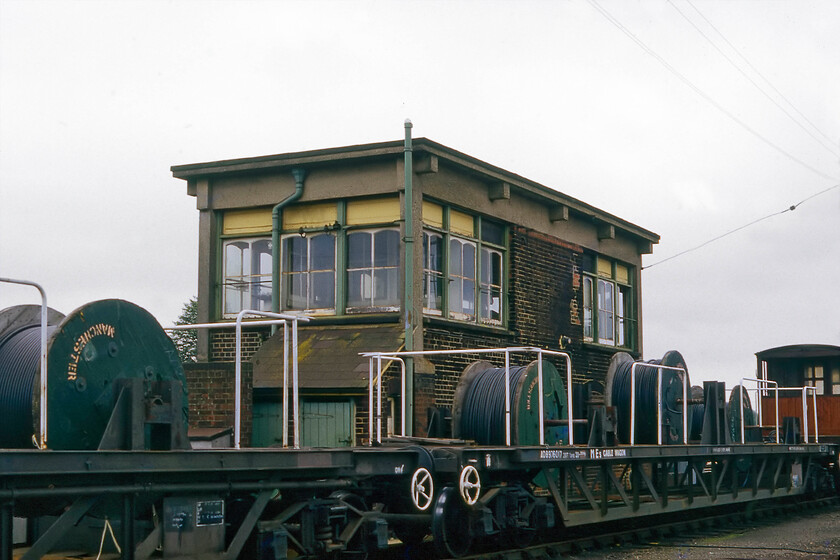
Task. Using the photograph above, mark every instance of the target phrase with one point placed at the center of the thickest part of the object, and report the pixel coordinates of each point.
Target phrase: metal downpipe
(276, 217)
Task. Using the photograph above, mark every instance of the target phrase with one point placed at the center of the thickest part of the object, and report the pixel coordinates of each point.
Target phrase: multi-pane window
(490, 287)
(461, 279)
(814, 377)
(608, 316)
(623, 321)
(835, 380)
(247, 275)
(606, 312)
(373, 261)
(588, 322)
(344, 257)
(463, 272)
(308, 272)
(432, 272)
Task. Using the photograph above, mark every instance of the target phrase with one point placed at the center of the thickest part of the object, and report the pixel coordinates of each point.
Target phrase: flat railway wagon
(95, 454)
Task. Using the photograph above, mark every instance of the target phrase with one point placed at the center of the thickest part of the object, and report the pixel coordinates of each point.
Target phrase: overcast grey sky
(99, 99)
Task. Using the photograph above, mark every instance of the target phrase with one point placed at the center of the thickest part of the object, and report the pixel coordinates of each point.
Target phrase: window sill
(355, 318)
(596, 346)
(463, 325)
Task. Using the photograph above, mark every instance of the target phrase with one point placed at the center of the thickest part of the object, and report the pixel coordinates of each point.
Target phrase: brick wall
(223, 344)
(211, 395)
(544, 304)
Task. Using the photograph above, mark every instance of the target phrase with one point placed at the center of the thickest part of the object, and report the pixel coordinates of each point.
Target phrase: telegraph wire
(702, 94)
(788, 209)
(762, 76)
(821, 142)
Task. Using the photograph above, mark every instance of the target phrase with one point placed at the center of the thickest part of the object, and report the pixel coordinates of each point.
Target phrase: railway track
(672, 534)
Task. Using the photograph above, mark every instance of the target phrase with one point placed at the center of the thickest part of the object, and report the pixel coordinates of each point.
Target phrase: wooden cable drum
(479, 405)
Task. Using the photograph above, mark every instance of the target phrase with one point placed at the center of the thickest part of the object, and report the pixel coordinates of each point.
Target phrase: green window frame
(464, 275)
(433, 272)
(317, 270)
(308, 273)
(609, 307)
(373, 270)
(246, 275)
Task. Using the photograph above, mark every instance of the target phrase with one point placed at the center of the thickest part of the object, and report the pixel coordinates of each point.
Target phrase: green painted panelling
(327, 423)
(268, 424)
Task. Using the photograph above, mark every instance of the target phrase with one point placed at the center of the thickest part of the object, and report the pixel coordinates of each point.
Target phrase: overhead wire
(788, 209)
(762, 76)
(609, 17)
(821, 142)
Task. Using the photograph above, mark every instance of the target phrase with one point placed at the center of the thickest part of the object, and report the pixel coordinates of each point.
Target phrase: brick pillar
(212, 396)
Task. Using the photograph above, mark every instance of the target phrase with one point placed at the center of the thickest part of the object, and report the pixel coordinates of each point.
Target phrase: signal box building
(496, 260)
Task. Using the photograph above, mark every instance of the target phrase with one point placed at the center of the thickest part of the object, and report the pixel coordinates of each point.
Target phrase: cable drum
(738, 408)
(479, 407)
(617, 389)
(87, 352)
(696, 412)
(20, 355)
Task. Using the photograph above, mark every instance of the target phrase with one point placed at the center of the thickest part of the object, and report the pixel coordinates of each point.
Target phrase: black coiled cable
(20, 354)
(646, 403)
(483, 416)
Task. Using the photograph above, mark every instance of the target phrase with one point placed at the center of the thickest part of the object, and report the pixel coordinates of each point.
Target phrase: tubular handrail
(659, 368)
(378, 379)
(277, 319)
(379, 356)
(42, 444)
(776, 390)
(761, 385)
(813, 391)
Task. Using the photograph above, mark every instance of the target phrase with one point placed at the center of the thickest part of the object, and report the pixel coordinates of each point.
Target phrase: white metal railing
(276, 319)
(761, 385)
(764, 385)
(42, 444)
(659, 369)
(376, 381)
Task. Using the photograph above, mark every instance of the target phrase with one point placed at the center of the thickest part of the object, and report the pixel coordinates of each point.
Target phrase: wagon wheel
(451, 525)
(357, 539)
(469, 485)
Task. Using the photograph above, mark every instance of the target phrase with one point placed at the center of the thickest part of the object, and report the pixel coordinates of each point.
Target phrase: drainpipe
(408, 298)
(299, 174)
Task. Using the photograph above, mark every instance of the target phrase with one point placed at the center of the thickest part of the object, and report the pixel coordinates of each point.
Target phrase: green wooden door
(268, 423)
(327, 423)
